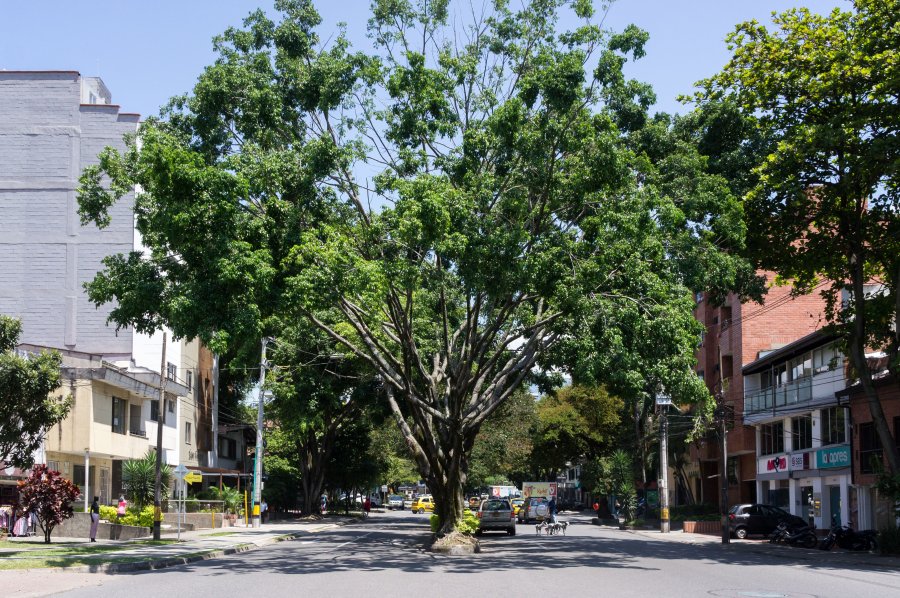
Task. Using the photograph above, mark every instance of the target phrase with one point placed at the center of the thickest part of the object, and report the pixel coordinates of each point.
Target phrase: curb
(164, 563)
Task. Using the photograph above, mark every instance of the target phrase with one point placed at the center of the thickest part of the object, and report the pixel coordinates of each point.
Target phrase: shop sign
(835, 456)
(799, 461)
(773, 464)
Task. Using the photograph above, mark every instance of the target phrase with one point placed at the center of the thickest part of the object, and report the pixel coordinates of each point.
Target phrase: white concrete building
(802, 429)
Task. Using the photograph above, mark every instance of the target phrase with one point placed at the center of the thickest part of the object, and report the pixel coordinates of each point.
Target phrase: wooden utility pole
(160, 422)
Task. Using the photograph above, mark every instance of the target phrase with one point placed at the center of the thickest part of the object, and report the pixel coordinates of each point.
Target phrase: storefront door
(834, 504)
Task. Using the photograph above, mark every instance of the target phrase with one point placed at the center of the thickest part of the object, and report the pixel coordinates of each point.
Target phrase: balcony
(775, 397)
(137, 431)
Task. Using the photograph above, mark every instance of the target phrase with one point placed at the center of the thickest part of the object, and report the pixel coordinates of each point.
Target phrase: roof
(798, 347)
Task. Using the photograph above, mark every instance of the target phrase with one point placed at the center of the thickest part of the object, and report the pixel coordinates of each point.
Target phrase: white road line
(350, 542)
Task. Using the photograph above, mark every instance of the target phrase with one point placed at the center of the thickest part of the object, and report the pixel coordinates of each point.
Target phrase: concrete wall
(194, 520)
(47, 137)
(79, 526)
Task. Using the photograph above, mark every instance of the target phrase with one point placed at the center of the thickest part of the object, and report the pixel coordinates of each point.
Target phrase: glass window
(802, 432)
(154, 410)
(170, 405)
(189, 377)
(833, 426)
(134, 424)
(171, 371)
(771, 438)
(869, 448)
(118, 415)
(187, 432)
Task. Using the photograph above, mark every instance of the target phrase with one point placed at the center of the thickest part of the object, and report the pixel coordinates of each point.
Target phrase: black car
(744, 520)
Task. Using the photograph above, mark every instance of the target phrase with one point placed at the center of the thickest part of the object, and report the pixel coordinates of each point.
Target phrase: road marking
(350, 542)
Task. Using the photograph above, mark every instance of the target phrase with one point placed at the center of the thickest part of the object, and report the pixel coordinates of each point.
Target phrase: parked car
(747, 519)
(395, 501)
(423, 503)
(407, 503)
(533, 509)
(496, 514)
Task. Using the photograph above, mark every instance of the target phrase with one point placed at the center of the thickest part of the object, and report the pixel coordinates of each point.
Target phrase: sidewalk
(836, 556)
(134, 555)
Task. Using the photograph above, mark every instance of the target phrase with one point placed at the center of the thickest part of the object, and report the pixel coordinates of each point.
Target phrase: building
(53, 124)
(736, 334)
(802, 428)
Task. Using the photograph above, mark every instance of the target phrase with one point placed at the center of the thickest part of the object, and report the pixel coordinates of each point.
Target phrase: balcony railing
(770, 399)
(137, 431)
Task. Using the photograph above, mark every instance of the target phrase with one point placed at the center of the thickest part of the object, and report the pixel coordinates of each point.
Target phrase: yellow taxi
(517, 505)
(423, 503)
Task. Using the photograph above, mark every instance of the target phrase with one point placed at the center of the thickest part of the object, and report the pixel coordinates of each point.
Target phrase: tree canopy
(507, 223)
(30, 408)
(823, 205)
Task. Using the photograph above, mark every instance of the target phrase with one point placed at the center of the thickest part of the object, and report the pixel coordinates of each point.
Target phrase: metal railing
(770, 399)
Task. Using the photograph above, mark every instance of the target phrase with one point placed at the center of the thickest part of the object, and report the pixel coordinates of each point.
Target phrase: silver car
(496, 514)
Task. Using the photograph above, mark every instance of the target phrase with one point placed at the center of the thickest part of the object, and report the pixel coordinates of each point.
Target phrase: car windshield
(495, 505)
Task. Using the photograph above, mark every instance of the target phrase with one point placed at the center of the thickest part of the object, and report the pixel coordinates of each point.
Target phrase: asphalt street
(386, 556)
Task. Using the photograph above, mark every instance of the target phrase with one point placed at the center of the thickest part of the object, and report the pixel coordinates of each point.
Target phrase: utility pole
(723, 474)
(214, 460)
(258, 461)
(663, 401)
(664, 471)
(160, 422)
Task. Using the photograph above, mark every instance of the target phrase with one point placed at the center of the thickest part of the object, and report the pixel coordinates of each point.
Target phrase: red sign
(777, 464)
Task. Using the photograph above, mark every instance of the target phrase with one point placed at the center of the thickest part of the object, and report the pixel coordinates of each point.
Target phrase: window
(726, 316)
(118, 415)
(727, 366)
(825, 358)
(53, 465)
(833, 426)
(802, 432)
(154, 410)
(732, 471)
(187, 432)
(171, 371)
(134, 421)
(170, 405)
(869, 448)
(189, 377)
(227, 447)
(771, 438)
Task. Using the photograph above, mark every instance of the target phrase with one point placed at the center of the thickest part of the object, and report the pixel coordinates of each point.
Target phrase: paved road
(385, 556)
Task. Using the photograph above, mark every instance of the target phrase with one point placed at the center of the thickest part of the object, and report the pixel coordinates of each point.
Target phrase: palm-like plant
(139, 480)
(230, 498)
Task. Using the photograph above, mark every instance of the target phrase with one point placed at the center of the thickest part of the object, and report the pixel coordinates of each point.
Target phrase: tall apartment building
(52, 125)
(736, 335)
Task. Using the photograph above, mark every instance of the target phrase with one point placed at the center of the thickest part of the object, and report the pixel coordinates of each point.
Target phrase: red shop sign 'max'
(777, 464)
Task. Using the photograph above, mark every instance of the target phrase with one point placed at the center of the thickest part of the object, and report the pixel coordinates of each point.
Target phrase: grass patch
(48, 561)
(214, 534)
(72, 549)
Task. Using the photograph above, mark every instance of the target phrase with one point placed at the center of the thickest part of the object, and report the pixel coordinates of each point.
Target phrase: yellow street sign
(193, 477)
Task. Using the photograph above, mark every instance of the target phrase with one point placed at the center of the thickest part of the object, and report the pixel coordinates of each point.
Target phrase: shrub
(108, 513)
(467, 526)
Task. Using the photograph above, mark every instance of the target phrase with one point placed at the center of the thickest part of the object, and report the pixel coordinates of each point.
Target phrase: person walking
(324, 505)
(367, 506)
(122, 508)
(95, 518)
(551, 509)
(264, 511)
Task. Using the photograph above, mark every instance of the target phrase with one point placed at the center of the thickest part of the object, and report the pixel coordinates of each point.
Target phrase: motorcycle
(800, 535)
(845, 537)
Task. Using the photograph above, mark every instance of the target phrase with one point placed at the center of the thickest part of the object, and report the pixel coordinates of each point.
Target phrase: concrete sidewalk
(194, 545)
(835, 556)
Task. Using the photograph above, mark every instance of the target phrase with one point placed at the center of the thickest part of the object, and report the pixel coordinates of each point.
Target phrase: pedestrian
(95, 518)
(367, 505)
(597, 508)
(264, 511)
(122, 508)
(324, 506)
(551, 509)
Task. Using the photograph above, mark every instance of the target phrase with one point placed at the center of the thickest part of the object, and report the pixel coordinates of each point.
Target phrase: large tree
(27, 401)
(509, 213)
(824, 207)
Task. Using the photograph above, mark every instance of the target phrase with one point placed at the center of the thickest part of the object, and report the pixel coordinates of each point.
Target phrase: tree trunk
(47, 531)
(447, 490)
(858, 358)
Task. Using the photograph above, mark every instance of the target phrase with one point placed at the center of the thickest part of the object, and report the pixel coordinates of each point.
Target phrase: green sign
(834, 456)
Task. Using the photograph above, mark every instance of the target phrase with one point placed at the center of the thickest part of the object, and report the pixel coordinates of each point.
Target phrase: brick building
(736, 335)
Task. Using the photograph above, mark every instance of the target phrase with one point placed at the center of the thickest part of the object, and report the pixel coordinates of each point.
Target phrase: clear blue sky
(147, 52)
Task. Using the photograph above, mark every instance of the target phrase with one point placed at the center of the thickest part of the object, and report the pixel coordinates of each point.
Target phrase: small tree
(49, 495)
(139, 479)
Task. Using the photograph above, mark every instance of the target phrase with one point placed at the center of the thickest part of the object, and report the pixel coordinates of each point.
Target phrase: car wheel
(511, 531)
(740, 533)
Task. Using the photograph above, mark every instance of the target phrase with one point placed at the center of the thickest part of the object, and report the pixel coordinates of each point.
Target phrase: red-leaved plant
(49, 495)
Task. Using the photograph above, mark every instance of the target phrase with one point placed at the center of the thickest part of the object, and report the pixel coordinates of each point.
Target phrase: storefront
(813, 484)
